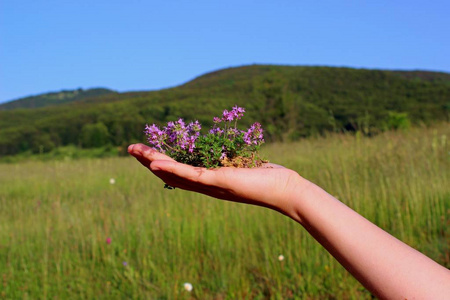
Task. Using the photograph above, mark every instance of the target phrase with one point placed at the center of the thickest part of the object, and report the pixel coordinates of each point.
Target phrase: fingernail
(155, 168)
(130, 148)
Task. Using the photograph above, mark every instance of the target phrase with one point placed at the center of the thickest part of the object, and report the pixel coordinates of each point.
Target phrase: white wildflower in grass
(187, 286)
(280, 257)
(112, 181)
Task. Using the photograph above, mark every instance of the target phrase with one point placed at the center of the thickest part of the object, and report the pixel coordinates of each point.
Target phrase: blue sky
(48, 45)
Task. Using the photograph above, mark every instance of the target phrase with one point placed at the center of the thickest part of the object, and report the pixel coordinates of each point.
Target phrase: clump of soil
(242, 162)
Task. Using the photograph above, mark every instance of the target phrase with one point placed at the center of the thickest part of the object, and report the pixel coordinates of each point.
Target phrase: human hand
(270, 186)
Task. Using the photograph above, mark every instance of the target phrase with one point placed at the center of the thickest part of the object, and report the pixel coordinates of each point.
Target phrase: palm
(268, 186)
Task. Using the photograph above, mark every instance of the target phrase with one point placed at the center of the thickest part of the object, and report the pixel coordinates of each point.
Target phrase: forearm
(383, 264)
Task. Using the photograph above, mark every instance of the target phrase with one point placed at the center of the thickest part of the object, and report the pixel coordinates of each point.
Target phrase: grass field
(56, 217)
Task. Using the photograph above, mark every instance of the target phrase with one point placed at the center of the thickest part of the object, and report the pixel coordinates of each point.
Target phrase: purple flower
(174, 136)
(238, 112)
(216, 130)
(233, 132)
(181, 122)
(171, 132)
(194, 128)
(254, 135)
(178, 133)
(191, 143)
(228, 116)
(155, 136)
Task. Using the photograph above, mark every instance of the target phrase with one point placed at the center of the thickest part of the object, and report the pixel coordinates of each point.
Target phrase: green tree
(41, 143)
(398, 120)
(94, 135)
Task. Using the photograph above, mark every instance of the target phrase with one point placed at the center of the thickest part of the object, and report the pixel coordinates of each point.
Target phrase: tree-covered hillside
(290, 102)
(55, 98)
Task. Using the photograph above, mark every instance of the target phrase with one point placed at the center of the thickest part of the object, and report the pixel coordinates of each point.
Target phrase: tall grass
(55, 218)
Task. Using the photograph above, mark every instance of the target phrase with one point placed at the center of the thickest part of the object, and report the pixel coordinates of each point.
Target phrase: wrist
(296, 190)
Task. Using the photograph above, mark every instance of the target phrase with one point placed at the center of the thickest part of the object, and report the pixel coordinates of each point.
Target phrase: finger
(186, 172)
(174, 179)
(145, 155)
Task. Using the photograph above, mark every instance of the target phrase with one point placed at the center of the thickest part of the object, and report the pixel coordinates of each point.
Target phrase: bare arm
(386, 266)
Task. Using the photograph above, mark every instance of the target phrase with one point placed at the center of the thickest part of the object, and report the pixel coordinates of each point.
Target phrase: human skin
(386, 266)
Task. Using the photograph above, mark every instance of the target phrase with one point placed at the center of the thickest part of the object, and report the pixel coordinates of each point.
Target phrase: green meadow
(56, 217)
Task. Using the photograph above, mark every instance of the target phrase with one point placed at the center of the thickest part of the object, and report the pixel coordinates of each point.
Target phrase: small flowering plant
(223, 146)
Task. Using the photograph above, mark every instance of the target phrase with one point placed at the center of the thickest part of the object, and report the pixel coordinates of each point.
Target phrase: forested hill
(55, 98)
(290, 102)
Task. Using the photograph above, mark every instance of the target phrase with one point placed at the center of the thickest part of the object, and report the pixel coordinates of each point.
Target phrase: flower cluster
(223, 145)
(228, 116)
(176, 136)
(254, 135)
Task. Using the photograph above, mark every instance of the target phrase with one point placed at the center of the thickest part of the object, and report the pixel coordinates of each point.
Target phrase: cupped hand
(271, 186)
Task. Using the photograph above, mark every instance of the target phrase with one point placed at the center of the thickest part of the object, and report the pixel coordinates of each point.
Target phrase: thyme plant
(223, 146)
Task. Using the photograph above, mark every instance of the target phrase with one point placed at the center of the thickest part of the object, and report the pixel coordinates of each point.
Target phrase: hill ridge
(290, 101)
(54, 98)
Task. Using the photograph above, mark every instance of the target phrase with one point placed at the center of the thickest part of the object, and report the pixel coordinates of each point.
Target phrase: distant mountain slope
(424, 75)
(54, 98)
(290, 102)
